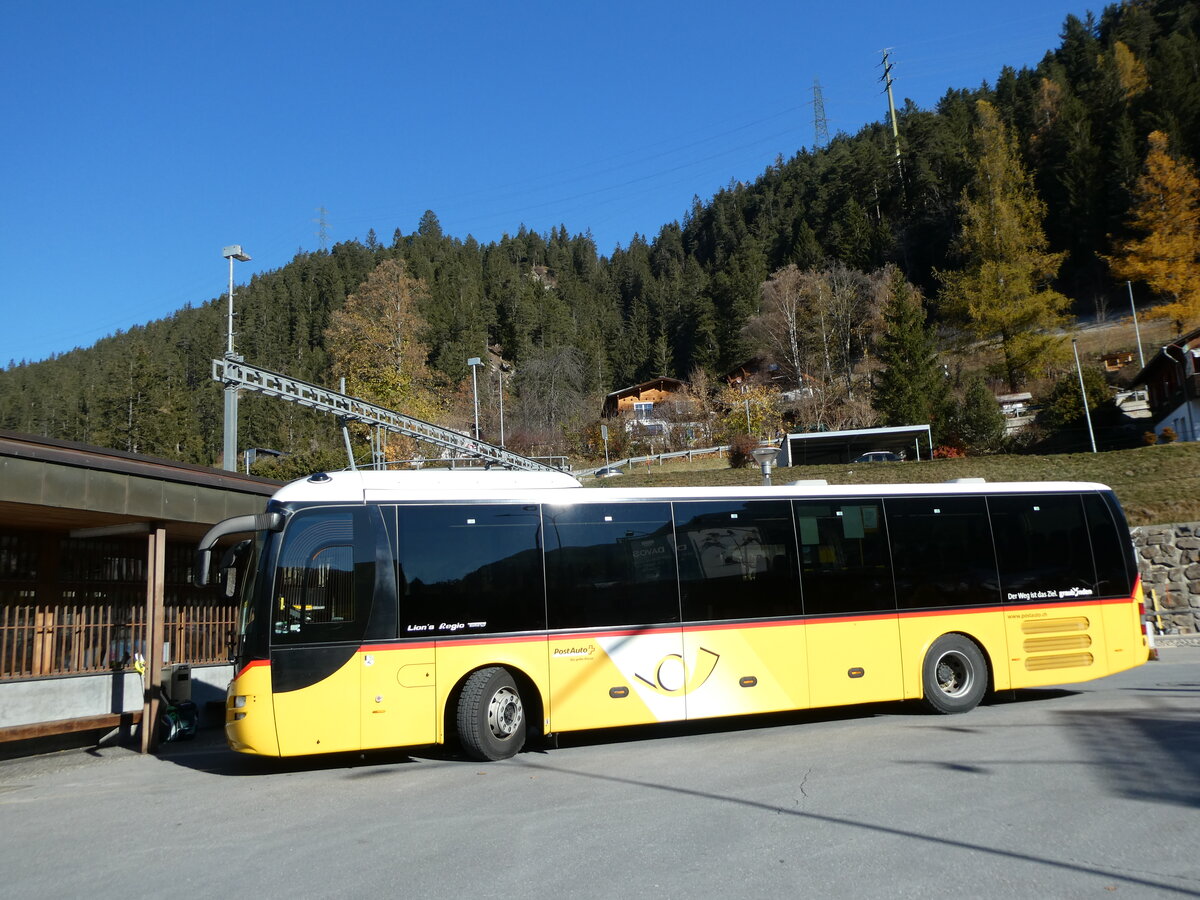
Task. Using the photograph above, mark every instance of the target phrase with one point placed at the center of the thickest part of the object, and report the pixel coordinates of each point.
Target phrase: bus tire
(491, 715)
(954, 675)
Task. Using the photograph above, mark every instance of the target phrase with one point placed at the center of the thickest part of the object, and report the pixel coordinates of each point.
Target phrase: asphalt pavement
(1088, 790)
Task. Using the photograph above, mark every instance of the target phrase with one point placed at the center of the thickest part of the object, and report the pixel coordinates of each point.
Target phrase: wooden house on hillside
(639, 401)
(1172, 380)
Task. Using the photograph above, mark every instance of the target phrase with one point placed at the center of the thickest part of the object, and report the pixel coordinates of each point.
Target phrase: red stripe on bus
(252, 664)
(482, 641)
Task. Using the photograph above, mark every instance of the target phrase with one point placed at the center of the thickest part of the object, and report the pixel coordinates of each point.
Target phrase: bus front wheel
(955, 675)
(491, 716)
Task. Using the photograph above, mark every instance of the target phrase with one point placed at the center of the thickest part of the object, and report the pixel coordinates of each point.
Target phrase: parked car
(878, 456)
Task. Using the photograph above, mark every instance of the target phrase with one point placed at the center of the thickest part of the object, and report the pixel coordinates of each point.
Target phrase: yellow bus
(395, 609)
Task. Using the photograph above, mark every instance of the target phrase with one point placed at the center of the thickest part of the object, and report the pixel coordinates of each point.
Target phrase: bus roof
(466, 485)
(366, 484)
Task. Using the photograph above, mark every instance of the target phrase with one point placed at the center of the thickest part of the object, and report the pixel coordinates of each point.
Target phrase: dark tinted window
(610, 564)
(942, 552)
(325, 579)
(1042, 547)
(1111, 546)
(737, 560)
(470, 569)
(844, 557)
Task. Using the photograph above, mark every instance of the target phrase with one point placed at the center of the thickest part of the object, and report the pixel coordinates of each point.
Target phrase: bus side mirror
(272, 521)
(203, 562)
(227, 574)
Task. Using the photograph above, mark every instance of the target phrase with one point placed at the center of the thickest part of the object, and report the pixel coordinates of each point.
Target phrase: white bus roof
(366, 485)
(468, 485)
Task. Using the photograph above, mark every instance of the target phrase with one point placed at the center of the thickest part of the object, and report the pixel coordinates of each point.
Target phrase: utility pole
(820, 123)
(887, 80)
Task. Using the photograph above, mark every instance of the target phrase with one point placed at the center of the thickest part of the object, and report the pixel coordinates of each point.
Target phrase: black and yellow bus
(393, 609)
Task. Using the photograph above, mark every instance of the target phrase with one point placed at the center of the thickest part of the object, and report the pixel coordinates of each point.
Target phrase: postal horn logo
(671, 676)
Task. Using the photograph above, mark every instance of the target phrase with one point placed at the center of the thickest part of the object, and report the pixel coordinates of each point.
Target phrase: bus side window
(942, 552)
(737, 559)
(470, 569)
(1042, 547)
(610, 564)
(845, 565)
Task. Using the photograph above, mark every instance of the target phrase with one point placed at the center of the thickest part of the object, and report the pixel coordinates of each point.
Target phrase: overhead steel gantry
(233, 373)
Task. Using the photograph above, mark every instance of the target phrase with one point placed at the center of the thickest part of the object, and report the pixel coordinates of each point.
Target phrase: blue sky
(141, 138)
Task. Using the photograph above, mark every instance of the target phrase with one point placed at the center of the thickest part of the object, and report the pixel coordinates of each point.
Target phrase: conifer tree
(911, 388)
(1167, 255)
(975, 420)
(1002, 294)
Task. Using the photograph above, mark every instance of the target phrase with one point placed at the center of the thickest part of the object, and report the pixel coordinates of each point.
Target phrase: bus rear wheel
(954, 675)
(491, 716)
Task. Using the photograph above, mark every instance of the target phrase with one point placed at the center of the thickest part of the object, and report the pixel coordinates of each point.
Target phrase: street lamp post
(1083, 394)
(503, 368)
(1137, 332)
(765, 457)
(231, 392)
(474, 362)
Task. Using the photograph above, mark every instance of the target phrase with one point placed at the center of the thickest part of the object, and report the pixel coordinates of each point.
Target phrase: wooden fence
(70, 606)
(39, 639)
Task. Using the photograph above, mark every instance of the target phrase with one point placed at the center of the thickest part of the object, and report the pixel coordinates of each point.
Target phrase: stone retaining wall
(1169, 559)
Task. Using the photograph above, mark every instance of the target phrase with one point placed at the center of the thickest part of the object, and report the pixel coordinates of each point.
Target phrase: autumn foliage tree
(1001, 295)
(1166, 254)
(374, 343)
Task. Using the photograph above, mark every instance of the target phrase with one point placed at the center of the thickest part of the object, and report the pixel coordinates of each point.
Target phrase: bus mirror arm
(272, 521)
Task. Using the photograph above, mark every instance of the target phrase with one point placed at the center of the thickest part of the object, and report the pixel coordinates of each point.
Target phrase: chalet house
(1172, 380)
(1114, 362)
(643, 402)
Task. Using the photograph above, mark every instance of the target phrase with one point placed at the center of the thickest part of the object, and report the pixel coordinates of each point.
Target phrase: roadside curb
(1177, 640)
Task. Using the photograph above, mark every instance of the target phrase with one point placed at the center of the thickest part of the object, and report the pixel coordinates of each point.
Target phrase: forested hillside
(575, 324)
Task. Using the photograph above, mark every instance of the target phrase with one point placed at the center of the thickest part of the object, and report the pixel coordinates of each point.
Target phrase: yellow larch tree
(374, 341)
(1166, 255)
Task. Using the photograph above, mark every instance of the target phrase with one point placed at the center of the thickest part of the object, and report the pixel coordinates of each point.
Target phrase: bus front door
(398, 697)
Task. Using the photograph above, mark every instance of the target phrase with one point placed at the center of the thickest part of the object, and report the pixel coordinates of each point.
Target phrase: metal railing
(655, 457)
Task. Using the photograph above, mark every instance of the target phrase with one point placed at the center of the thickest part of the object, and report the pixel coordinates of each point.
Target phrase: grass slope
(1156, 485)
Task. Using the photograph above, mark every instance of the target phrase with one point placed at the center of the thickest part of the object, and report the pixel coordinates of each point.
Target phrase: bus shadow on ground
(208, 753)
(1028, 695)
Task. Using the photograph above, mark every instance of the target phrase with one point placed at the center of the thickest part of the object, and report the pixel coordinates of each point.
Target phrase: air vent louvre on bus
(1057, 626)
(1062, 661)
(1055, 642)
